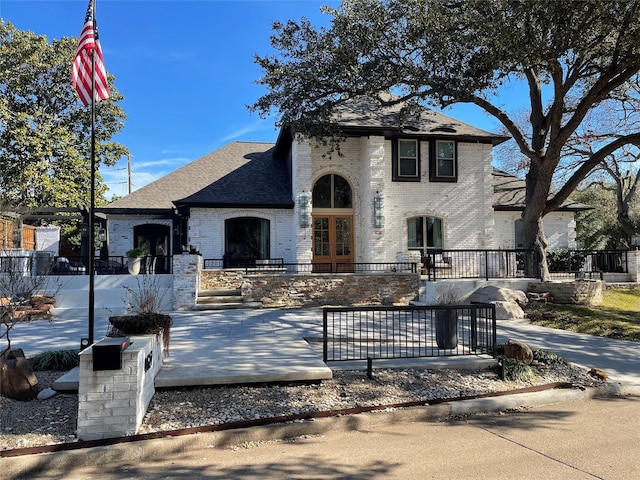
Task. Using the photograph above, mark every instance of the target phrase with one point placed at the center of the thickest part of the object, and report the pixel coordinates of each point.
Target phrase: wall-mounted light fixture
(635, 240)
(378, 211)
(304, 211)
(17, 237)
(102, 235)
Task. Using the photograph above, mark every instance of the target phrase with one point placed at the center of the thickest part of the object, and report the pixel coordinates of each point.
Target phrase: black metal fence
(77, 265)
(451, 264)
(277, 265)
(360, 333)
(565, 263)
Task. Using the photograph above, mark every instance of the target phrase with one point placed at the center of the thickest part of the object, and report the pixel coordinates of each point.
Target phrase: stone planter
(447, 328)
(133, 265)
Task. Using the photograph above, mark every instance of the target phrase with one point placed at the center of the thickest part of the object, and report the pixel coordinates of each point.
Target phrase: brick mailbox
(116, 384)
(107, 355)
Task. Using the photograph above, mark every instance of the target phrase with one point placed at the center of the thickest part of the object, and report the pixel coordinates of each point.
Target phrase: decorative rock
(508, 302)
(491, 293)
(46, 394)
(599, 374)
(17, 380)
(508, 310)
(519, 351)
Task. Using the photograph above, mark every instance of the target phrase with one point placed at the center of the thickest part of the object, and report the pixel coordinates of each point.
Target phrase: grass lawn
(617, 317)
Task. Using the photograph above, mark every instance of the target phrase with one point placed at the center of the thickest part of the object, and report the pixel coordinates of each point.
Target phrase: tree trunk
(533, 227)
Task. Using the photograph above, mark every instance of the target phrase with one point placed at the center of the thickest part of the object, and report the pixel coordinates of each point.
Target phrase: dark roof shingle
(366, 113)
(238, 174)
(509, 193)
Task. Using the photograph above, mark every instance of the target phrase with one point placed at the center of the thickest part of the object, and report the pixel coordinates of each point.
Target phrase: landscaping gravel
(53, 421)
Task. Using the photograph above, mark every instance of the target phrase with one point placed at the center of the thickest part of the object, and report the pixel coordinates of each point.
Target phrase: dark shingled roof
(509, 193)
(366, 115)
(238, 174)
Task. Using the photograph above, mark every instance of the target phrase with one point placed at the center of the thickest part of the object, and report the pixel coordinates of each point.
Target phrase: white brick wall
(301, 181)
(559, 228)
(112, 403)
(121, 231)
(186, 281)
(633, 258)
(465, 206)
(206, 230)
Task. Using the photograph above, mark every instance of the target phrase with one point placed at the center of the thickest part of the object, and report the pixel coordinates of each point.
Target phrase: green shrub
(56, 360)
(513, 370)
(548, 358)
(565, 260)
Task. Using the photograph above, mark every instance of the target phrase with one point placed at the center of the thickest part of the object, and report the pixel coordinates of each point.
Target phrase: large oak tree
(45, 129)
(568, 55)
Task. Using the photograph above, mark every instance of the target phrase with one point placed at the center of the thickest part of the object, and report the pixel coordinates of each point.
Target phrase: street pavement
(593, 439)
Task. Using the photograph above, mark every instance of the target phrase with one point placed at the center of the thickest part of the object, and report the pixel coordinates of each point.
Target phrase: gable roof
(238, 174)
(509, 193)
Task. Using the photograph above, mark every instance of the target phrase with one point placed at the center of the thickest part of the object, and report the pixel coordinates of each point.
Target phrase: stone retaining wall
(331, 289)
(579, 292)
(220, 280)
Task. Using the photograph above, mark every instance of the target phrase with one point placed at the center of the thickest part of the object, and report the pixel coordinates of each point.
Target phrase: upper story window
(406, 160)
(443, 161)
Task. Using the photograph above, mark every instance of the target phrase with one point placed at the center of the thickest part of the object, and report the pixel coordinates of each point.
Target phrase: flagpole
(89, 52)
(92, 200)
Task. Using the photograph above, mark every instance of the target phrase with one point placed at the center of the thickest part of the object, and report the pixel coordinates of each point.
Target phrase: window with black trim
(443, 161)
(424, 234)
(406, 160)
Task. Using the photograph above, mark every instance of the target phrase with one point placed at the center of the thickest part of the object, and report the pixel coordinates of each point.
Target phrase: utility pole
(129, 171)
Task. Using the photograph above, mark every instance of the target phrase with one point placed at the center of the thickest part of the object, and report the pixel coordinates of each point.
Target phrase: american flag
(81, 74)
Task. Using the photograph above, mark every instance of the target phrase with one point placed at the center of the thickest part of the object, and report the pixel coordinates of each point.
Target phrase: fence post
(494, 334)
(486, 265)
(474, 329)
(325, 339)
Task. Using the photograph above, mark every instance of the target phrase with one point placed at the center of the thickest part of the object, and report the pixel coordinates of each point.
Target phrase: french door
(333, 243)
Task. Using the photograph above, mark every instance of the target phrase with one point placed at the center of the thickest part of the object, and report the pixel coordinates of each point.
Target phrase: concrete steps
(223, 300)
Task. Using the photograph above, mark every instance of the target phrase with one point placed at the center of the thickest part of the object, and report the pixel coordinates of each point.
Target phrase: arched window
(332, 191)
(246, 240)
(424, 233)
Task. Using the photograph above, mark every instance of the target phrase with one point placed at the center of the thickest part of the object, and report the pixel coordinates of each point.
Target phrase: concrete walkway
(618, 358)
(267, 345)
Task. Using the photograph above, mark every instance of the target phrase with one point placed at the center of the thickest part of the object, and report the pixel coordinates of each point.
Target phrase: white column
(302, 182)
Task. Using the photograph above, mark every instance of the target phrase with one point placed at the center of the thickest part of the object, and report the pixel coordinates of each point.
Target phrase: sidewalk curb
(27, 466)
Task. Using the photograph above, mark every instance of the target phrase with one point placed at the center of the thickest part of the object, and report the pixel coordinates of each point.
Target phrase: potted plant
(142, 312)
(134, 258)
(447, 318)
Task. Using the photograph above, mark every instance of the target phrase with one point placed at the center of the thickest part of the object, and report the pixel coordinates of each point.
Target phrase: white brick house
(427, 185)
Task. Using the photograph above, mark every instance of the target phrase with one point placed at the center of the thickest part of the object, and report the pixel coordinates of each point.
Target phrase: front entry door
(333, 243)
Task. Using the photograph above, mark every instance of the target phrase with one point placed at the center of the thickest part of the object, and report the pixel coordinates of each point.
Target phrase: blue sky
(186, 71)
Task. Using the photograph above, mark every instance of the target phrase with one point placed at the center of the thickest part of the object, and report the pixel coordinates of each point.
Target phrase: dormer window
(406, 160)
(443, 164)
